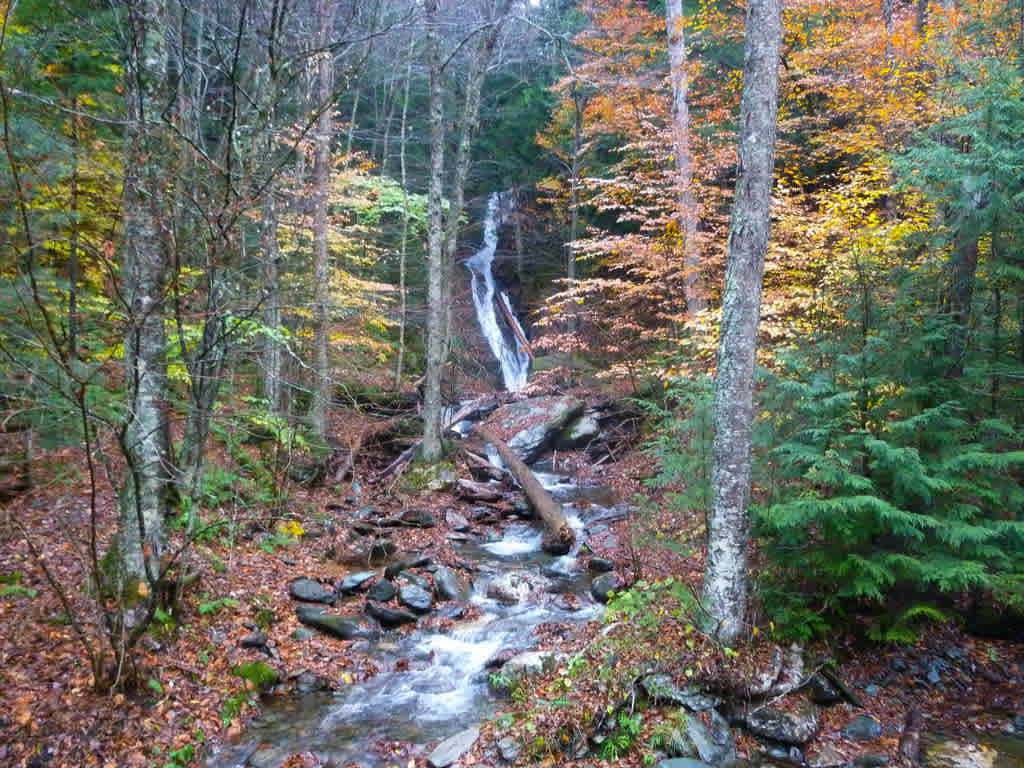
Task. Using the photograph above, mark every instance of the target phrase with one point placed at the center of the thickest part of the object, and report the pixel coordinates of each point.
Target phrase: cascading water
(506, 346)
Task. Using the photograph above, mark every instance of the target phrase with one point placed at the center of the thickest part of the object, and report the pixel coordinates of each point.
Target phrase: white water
(515, 362)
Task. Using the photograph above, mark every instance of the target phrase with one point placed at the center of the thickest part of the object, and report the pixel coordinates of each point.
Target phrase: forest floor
(189, 697)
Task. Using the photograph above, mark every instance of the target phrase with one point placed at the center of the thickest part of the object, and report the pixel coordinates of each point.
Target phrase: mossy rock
(261, 676)
(429, 477)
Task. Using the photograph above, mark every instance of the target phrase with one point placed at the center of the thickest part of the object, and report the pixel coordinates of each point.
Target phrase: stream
(444, 688)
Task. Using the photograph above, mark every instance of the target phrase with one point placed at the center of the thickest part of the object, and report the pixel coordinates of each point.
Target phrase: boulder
(714, 745)
(341, 627)
(602, 585)
(255, 640)
(355, 582)
(827, 757)
(661, 689)
(381, 592)
(390, 618)
(456, 521)
(600, 565)
(415, 597)
(310, 591)
(535, 422)
(578, 433)
(452, 748)
(863, 728)
(528, 664)
(418, 518)
(509, 749)
(406, 563)
(511, 588)
(786, 727)
(449, 585)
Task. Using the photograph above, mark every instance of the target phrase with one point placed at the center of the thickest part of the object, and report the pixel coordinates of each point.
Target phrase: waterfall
(515, 362)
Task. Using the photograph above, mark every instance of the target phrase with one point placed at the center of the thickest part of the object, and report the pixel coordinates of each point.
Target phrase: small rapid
(432, 684)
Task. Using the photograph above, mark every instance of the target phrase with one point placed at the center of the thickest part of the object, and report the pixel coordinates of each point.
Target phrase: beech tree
(725, 576)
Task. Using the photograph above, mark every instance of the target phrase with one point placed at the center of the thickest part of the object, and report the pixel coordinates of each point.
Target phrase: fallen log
(558, 534)
(481, 468)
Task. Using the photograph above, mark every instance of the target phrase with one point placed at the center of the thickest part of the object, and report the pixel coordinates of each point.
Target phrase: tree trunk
(432, 446)
(144, 438)
(204, 372)
(688, 213)
(965, 266)
(574, 194)
(271, 302)
(321, 256)
(405, 223)
(73, 269)
(725, 577)
(558, 534)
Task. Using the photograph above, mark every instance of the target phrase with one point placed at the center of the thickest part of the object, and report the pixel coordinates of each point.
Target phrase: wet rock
(600, 565)
(796, 727)
(456, 521)
(822, 691)
(602, 585)
(578, 433)
(405, 564)
(355, 581)
(535, 423)
(255, 640)
(451, 749)
(381, 592)
(269, 756)
(342, 627)
(871, 690)
(863, 728)
(408, 577)
(418, 518)
(510, 588)
(390, 618)
(310, 591)
(786, 753)
(682, 762)
(449, 585)
(827, 757)
(415, 597)
(509, 749)
(308, 682)
(302, 634)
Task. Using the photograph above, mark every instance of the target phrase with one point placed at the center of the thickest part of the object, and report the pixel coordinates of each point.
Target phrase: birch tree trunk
(321, 256)
(688, 213)
(405, 222)
(432, 446)
(271, 301)
(144, 439)
(725, 576)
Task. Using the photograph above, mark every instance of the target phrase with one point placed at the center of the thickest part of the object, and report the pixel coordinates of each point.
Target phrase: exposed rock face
(528, 664)
(535, 422)
(787, 727)
(578, 433)
(451, 749)
(341, 627)
(310, 591)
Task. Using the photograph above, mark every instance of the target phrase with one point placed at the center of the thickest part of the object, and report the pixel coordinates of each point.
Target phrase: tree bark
(321, 255)
(725, 577)
(403, 299)
(145, 438)
(688, 213)
(432, 446)
(559, 536)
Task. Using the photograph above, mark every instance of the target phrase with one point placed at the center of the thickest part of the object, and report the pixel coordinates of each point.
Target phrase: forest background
(229, 220)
